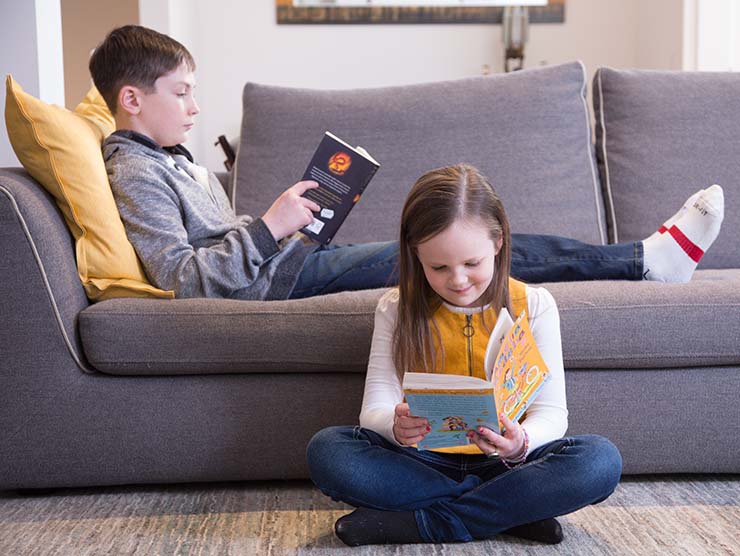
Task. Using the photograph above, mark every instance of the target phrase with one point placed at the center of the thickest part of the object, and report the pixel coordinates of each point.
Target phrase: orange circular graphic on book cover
(339, 163)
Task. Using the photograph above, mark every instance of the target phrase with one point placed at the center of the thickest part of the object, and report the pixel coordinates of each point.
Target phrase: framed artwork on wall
(417, 11)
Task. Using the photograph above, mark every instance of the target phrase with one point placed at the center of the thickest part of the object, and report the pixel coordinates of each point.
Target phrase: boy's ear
(129, 99)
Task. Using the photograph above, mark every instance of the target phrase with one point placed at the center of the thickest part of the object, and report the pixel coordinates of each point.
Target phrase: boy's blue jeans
(534, 258)
(462, 497)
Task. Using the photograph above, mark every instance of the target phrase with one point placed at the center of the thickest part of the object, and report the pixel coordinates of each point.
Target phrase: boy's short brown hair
(135, 55)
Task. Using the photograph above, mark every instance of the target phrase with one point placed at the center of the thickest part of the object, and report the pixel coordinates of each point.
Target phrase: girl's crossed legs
(460, 497)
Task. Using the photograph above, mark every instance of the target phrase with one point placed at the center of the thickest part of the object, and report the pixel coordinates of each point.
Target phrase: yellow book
(456, 404)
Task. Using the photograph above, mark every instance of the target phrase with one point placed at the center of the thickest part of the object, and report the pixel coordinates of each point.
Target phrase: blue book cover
(455, 404)
(452, 414)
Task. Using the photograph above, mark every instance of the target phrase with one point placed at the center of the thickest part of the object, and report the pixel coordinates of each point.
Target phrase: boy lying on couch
(190, 240)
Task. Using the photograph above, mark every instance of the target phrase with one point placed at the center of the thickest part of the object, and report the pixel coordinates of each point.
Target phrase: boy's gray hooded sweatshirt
(188, 238)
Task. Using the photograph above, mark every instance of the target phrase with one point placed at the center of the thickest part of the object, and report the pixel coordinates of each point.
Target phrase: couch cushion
(528, 131)
(332, 333)
(651, 325)
(661, 135)
(61, 150)
(329, 333)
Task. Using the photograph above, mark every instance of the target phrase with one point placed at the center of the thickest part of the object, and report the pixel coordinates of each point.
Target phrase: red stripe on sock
(692, 249)
(662, 230)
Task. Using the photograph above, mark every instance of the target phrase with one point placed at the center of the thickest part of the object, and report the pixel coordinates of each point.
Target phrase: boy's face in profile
(168, 112)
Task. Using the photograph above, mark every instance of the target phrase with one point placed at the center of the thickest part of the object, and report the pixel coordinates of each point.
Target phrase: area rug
(649, 515)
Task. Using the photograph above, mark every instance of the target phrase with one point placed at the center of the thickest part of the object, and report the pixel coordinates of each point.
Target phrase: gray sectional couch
(159, 391)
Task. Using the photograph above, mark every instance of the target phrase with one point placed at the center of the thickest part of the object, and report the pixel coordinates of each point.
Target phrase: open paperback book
(456, 404)
(342, 172)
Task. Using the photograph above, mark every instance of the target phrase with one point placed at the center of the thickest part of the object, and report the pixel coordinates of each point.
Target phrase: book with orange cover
(456, 404)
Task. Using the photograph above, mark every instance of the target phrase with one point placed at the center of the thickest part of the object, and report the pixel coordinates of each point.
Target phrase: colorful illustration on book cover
(454, 429)
(519, 370)
(448, 419)
(339, 163)
(454, 423)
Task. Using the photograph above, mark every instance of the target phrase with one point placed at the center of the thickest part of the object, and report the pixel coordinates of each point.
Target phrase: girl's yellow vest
(465, 339)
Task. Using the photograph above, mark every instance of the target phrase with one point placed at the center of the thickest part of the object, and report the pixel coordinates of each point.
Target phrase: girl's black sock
(367, 526)
(545, 530)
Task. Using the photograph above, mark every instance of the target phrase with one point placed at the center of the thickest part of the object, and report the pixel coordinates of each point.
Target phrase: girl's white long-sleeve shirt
(545, 420)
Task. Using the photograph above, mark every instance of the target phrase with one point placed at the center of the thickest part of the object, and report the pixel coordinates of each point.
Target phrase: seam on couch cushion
(608, 185)
(591, 162)
(648, 306)
(45, 278)
(638, 357)
(234, 314)
(120, 363)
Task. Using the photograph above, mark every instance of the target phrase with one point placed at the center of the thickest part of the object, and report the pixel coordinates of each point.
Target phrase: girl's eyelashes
(468, 264)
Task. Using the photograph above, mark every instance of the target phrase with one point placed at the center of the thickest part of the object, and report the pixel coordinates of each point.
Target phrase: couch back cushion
(660, 136)
(62, 151)
(528, 131)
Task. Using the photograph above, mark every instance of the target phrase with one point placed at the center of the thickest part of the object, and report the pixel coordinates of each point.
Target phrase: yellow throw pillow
(62, 151)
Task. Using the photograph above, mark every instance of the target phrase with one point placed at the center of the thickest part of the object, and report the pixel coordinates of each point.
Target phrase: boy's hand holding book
(291, 211)
(342, 172)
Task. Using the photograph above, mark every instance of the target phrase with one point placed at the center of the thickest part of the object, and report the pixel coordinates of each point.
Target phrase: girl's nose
(458, 278)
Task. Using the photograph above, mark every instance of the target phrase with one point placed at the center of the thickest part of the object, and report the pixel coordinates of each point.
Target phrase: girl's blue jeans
(458, 497)
(534, 258)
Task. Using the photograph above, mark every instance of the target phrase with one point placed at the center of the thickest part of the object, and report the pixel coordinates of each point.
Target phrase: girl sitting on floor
(455, 255)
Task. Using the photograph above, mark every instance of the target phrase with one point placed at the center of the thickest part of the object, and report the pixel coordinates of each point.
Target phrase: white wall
(717, 35)
(235, 41)
(659, 31)
(84, 26)
(49, 51)
(30, 50)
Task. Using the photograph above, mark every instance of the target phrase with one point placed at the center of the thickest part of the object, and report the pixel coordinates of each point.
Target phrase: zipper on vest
(468, 332)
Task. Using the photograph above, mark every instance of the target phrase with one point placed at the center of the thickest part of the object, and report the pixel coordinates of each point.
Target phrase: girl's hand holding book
(509, 446)
(407, 428)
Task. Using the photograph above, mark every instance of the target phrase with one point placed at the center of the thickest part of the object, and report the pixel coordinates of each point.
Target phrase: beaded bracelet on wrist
(511, 464)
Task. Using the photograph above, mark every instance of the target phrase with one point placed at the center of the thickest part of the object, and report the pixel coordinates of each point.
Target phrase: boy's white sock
(668, 223)
(672, 253)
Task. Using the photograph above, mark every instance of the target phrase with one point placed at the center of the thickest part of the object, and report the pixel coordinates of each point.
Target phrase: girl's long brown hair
(437, 199)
